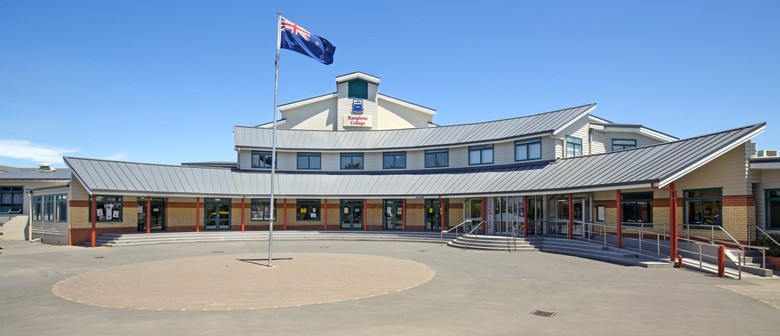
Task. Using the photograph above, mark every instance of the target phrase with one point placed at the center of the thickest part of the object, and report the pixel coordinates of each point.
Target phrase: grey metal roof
(32, 174)
(306, 140)
(633, 167)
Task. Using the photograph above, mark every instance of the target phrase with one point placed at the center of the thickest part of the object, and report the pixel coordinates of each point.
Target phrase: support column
(443, 211)
(403, 213)
(197, 214)
(525, 215)
(571, 216)
(484, 215)
(364, 215)
(242, 213)
(619, 218)
(148, 214)
(325, 215)
(94, 220)
(672, 222)
(284, 211)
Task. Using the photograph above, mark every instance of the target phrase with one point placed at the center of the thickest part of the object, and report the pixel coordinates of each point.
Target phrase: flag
(296, 38)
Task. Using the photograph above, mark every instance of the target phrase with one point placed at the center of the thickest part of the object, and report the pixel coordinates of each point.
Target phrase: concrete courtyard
(362, 288)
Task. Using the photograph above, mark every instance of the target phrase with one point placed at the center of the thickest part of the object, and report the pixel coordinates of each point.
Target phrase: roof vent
(766, 153)
(46, 168)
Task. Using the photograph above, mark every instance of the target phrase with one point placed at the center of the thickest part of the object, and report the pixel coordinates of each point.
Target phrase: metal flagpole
(273, 139)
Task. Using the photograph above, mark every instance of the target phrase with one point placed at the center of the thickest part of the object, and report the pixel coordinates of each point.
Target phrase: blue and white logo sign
(357, 106)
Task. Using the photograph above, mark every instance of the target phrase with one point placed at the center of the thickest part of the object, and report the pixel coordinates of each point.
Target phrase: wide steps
(492, 243)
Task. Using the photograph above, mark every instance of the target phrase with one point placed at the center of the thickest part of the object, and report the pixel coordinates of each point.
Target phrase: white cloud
(116, 157)
(25, 150)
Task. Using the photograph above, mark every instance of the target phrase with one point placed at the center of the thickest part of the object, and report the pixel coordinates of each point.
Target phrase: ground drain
(543, 313)
(217, 251)
(98, 257)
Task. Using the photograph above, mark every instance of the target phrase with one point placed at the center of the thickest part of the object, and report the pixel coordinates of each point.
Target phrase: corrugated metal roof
(306, 140)
(643, 165)
(33, 174)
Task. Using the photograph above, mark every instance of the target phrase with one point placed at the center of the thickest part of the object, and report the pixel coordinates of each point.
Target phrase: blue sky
(165, 81)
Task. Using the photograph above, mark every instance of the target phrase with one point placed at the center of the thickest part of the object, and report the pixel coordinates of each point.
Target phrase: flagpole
(273, 139)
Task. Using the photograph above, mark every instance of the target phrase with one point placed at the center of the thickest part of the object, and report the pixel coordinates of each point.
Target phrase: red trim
(403, 213)
(525, 215)
(285, 214)
(197, 214)
(441, 207)
(365, 215)
(571, 216)
(94, 220)
(672, 222)
(242, 213)
(619, 219)
(148, 214)
(325, 215)
(721, 260)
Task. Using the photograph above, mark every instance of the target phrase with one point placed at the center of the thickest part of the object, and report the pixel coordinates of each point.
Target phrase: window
(261, 209)
(772, 209)
(703, 206)
(109, 209)
(309, 161)
(637, 208)
(261, 159)
(351, 161)
(48, 208)
(358, 89)
(308, 210)
(62, 207)
(394, 160)
(437, 158)
(528, 150)
(573, 146)
(12, 198)
(480, 155)
(38, 208)
(621, 144)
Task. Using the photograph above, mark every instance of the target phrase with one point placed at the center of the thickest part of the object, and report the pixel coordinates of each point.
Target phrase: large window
(528, 150)
(11, 199)
(772, 209)
(703, 206)
(637, 208)
(351, 161)
(394, 160)
(261, 209)
(309, 161)
(50, 208)
(437, 158)
(261, 159)
(308, 210)
(621, 144)
(573, 146)
(109, 209)
(358, 89)
(62, 207)
(480, 155)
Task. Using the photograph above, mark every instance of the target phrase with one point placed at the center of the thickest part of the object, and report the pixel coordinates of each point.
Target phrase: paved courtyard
(362, 288)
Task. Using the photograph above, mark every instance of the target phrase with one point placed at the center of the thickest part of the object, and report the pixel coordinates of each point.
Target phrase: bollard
(721, 260)
(679, 261)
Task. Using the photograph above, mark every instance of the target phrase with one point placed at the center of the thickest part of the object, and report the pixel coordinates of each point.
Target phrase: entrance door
(352, 214)
(157, 215)
(433, 215)
(393, 214)
(216, 214)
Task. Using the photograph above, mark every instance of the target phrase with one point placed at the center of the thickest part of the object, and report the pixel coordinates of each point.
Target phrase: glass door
(351, 214)
(433, 215)
(216, 214)
(393, 214)
(157, 215)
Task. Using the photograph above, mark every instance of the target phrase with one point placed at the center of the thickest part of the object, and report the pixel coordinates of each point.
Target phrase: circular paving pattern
(235, 282)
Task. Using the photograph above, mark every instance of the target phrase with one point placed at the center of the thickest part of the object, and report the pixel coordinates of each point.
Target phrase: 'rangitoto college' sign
(358, 121)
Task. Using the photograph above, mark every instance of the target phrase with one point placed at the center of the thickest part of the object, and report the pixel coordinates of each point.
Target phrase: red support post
(571, 216)
(443, 211)
(284, 210)
(525, 215)
(148, 214)
(403, 213)
(325, 215)
(619, 218)
(672, 222)
(242, 213)
(363, 215)
(721, 260)
(94, 220)
(197, 214)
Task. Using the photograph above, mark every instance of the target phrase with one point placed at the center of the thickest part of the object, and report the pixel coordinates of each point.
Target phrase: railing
(456, 230)
(768, 236)
(466, 241)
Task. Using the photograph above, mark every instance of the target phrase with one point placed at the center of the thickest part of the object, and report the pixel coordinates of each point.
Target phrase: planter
(773, 262)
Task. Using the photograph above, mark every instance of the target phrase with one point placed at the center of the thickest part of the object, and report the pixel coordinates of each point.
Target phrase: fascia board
(573, 120)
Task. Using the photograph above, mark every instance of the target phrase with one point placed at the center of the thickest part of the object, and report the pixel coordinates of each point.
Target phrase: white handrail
(453, 228)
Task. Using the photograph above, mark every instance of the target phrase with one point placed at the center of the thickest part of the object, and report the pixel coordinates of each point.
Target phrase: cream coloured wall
(317, 116)
(602, 142)
(728, 171)
(393, 116)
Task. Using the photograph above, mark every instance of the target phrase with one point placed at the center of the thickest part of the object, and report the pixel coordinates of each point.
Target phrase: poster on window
(115, 214)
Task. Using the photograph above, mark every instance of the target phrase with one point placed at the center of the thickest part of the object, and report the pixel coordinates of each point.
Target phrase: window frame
(623, 146)
(261, 202)
(352, 156)
(636, 198)
(308, 156)
(311, 206)
(435, 153)
(101, 199)
(14, 193)
(354, 93)
(481, 149)
(768, 198)
(717, 220)
(395, 156)
(575, 143)
(527, 144)
(261, 163)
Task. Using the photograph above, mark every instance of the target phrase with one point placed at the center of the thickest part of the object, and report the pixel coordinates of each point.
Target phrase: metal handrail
(453, 228)
(768, 236)
(466, 241)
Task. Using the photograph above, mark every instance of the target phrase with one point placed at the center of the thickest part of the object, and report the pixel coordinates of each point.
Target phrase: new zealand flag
(295, 38)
